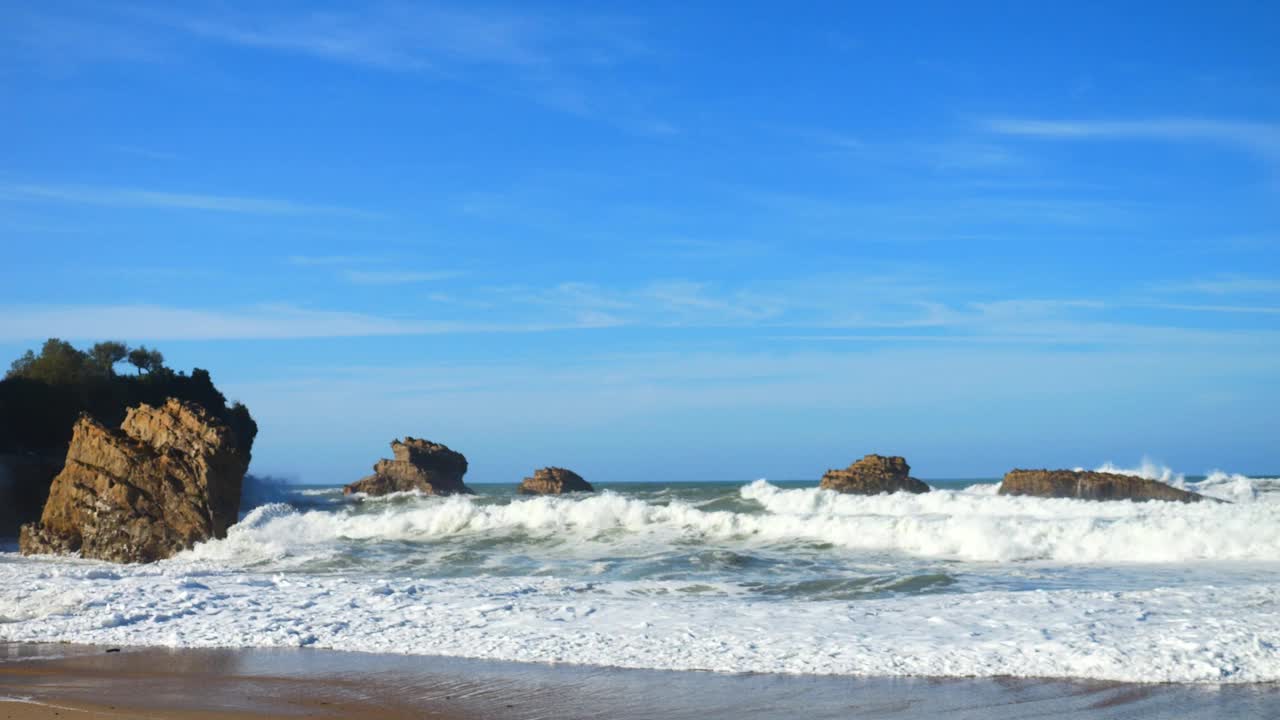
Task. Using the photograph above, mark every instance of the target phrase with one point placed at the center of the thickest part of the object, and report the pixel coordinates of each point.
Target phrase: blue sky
(666, 242)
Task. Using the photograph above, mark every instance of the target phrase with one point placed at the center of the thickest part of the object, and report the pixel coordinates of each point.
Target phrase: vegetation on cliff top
(42, 394)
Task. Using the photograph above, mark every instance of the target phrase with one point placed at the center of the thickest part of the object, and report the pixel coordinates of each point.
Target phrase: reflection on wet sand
(274, 682)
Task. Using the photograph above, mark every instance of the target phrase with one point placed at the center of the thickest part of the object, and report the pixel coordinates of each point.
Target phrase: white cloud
(1256, 137)
(141, 198)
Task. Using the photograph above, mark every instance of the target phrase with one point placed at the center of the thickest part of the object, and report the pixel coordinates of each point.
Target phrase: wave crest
(968, 525)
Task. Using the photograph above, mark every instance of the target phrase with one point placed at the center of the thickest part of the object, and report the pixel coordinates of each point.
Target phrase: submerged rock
(872, 475)
(1089, 485)
(167, 479)
(554, 481)
(419, 465)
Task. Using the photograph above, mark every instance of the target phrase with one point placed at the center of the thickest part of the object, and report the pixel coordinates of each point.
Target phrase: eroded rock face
(421, 465)
(554, 481)
(872, 475)
(167, 479)
(1088, 485)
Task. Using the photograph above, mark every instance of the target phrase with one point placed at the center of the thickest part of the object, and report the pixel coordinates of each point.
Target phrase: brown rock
(421, 465)
(1088, 485)
(554, 481)
(167, 479)
(872, 475)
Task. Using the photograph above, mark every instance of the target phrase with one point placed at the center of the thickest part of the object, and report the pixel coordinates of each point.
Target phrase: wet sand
(67, 681)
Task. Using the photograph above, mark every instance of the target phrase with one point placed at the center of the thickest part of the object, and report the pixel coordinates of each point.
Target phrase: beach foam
(1196, 634)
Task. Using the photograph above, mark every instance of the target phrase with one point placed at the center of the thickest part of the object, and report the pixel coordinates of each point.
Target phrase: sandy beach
(66, 681)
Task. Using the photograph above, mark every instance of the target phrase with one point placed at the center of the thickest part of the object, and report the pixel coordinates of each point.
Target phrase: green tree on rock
(57, 364)
(148, 361)
(155, 360)
(106, 354)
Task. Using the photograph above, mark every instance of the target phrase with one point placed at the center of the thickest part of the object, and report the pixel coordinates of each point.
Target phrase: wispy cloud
(1234, 309)
(1261, 138)
(408, 37)
(59, 38)
(830, 316)
(1228, 285)
(261, 322)
(171, 323)
(124, 197)
(370, 270)
(145, 153)
(560, 60)
(661, 303)
(938, 155)
(396, 277)
(557, 60)
(330, 260)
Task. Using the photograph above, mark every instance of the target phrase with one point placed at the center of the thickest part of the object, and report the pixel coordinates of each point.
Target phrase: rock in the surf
(419, 466)
(554, 481)
(873, 475)
(1089, 485)
(169, 478)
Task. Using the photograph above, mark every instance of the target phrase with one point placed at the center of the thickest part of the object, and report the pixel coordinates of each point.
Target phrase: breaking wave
(973, 524)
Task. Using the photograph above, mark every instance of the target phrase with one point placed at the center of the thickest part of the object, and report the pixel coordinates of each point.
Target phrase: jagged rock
(167, 479)
(554, 481)
(872, 475)
(421, 465)
(1088, 485)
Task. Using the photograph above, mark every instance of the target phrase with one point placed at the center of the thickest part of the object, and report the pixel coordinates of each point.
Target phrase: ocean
(757, 576)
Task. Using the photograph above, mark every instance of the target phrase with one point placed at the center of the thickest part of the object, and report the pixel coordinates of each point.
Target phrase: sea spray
(963, 525)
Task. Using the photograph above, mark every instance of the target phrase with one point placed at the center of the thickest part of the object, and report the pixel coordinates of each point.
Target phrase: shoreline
(213, 684)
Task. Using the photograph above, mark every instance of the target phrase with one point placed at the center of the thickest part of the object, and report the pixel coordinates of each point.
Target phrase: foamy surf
(1201, 634)
(965, 525)
(760, 577)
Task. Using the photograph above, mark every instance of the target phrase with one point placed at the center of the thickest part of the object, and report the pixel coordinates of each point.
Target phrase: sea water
(734, 577)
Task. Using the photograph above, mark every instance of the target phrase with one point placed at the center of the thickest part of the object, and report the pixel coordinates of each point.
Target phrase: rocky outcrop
(554, 481)
(872, 475)
(167, 479)
(1088, 485)
(419, 465)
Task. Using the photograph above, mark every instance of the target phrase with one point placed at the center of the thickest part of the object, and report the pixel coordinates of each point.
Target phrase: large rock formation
(872, 475)
(1088, 485)
(554, 481)
(167, 479)
(420, 465)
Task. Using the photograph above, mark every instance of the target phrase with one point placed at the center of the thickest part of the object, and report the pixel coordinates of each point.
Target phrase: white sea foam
(1114, 590)
(961, 525)
(1194, 634)
(1148, 469)
(1231, 487)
